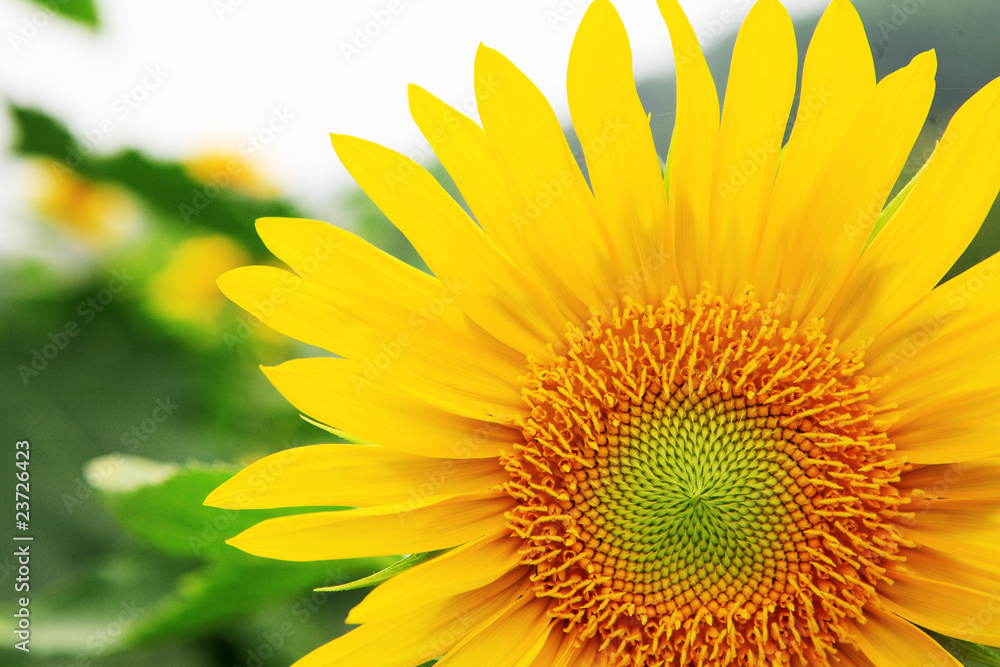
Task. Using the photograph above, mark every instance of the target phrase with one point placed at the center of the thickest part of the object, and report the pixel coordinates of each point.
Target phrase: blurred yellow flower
(229, 170)
(95, 213)
(185, 289)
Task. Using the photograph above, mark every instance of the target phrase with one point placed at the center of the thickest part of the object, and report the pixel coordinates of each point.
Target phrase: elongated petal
(415, 349)
(462, 569)
(822, 245)
(466, 153)
(549, 653)
(518, 631)
(849, 656)
(382, 530)
(964, 299)
(889, 641)
(337, 259)
(494, 292)
(618, 145)
(951, 568)
(952, 427)
(337, 393)
(970, 528)
(837, 82)
(543, 176)
(967, 479)
(415, 639)
(758, 99)
(692, 147)
(914, 250)
(963, 361)
(352, 475)
(945, 608)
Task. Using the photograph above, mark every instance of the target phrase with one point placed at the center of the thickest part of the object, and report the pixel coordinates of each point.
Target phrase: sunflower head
(690, 415)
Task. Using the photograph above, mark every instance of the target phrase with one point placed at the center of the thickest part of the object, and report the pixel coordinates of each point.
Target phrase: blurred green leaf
(162, 505)
(81, 11)
(969, 654)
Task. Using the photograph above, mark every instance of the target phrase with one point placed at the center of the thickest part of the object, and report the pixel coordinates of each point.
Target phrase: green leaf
(161, 504)
(388, 573)
(166, 187)
(969, 654)
(81, 11)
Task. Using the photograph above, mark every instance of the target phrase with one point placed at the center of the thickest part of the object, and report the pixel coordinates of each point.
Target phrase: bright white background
(224, 67)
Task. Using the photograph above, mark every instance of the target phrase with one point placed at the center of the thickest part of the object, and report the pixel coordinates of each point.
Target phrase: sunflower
(712, 414)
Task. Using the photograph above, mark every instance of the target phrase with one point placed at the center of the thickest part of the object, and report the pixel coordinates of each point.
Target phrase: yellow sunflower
(699, 418)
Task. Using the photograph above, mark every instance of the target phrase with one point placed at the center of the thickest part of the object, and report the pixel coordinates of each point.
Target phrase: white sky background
(224, 67)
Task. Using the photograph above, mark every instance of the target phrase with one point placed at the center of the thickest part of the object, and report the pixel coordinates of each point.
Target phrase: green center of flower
(698, 483)
(699, 498)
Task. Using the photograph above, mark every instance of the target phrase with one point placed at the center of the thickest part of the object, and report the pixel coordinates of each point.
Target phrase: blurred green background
(138, 386)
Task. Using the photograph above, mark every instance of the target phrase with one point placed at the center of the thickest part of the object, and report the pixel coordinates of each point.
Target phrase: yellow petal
(758, 98)
(962, 361)
(914, 250)
(491, 290)
(353, 475)
(828, 223)
(692, 147)
(950, 568)
(849, 656)
(618, 145)
(970, 528)
(550, 651)
(967, 297)
(415, 349)
(543, 176)
(949, 428)
(465, 152)
(837, 81)
(341, 261)
(965, 479)
(416, 638)
(518, 632)
(378, 411)
(586, 655)
(462, 569)
(337, 259)
(382, 530)
(889, 641)
(951, 610)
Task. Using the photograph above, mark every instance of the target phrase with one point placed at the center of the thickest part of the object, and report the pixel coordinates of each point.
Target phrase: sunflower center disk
(701, 485)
